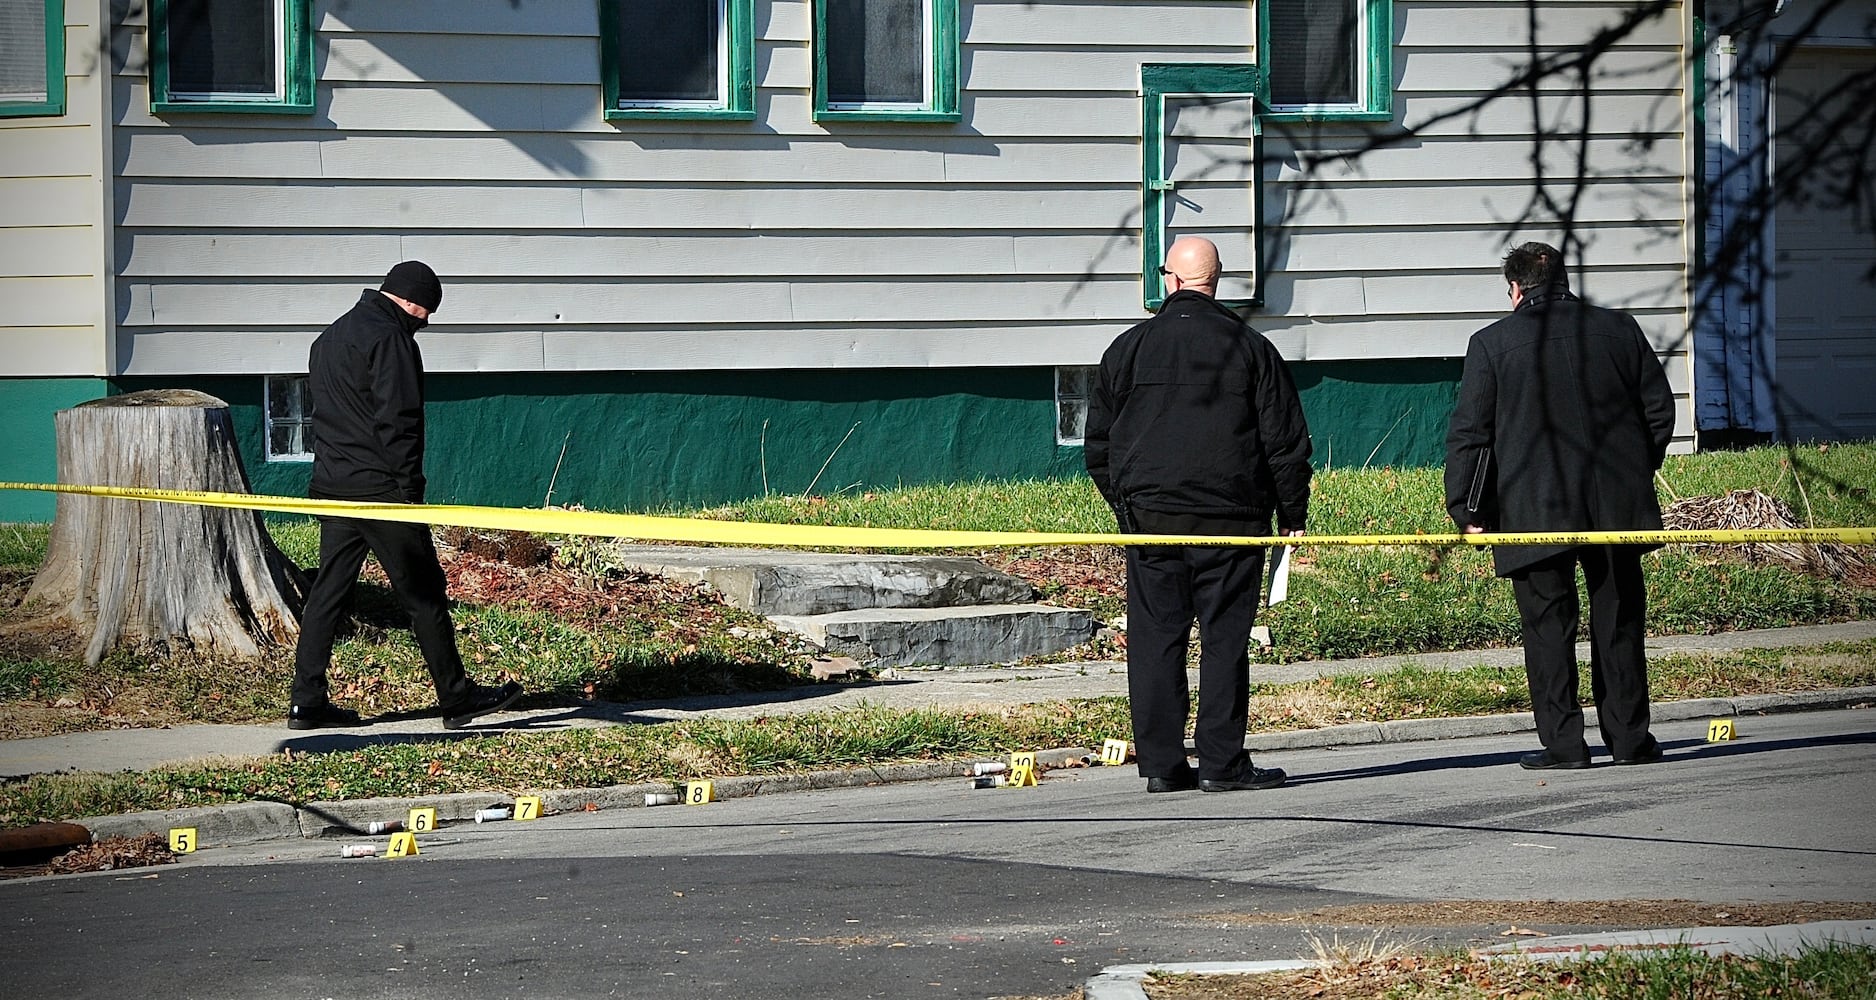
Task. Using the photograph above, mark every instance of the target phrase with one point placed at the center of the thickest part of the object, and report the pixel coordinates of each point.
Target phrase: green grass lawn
(1345, 602)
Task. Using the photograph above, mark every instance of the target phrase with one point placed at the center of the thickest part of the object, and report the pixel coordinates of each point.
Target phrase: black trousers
(1618, 662)
(1167, 587)
(409, 559)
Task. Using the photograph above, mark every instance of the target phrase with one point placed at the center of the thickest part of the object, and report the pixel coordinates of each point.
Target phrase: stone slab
(903, 637)
(772, 582)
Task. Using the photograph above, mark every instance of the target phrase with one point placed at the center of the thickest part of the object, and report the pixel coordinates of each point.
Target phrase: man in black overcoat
(1564, 415)
(1194, 428)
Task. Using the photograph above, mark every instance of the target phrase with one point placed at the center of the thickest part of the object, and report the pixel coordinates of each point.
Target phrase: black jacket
(1194, 413)
(1571, 412)
(365, 385)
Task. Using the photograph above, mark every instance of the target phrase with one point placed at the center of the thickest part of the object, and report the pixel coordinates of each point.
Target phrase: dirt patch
(1619, 914)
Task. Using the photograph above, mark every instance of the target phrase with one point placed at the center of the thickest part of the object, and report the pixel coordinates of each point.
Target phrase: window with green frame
(1327, 60)
(32, 57)
(678, 58)
(246, 56)
(886, 60)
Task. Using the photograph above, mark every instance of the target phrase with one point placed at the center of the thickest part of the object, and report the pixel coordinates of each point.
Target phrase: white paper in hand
(1279, 587)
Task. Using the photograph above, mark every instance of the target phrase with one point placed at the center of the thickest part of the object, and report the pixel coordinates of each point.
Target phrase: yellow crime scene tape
(700, 530)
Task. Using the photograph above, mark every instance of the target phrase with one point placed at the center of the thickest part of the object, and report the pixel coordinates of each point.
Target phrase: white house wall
(53, 269)
(469, 134)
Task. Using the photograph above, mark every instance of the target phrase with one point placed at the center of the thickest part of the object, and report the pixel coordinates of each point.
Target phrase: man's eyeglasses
(1164, 270)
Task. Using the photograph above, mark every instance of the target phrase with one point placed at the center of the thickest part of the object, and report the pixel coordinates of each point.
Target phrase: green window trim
(739, 97)
(1377, 42)
(941, 103)
(1159, 81)
(54, 104)
(297, 89)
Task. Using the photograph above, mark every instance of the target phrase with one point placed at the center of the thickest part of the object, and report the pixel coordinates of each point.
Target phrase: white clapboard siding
(234, 206)
(427, 58)
(1486, 204)
(1556, 115)
(552, 18)
(1639, 71)
(1303, 338)
(1325, 159)
(46, 201)
(655, 300)
(1517, 26)
(247, 350)
(68, 301)
(53, 151)
(50, 350)
(471, 135)
(52, 299)
(49, 251)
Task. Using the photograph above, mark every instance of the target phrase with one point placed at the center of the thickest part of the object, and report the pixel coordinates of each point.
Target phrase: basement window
(289, 419)
(1072, 388)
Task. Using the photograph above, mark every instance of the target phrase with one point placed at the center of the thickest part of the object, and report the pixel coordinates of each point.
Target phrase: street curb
(252, 822)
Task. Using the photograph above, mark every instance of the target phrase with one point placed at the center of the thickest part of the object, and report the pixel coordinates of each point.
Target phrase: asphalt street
(935, 889)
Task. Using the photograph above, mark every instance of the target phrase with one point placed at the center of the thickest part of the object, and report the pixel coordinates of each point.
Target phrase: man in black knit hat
(365, 384)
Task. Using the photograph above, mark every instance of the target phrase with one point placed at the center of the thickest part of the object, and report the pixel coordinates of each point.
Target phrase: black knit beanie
(414, 282)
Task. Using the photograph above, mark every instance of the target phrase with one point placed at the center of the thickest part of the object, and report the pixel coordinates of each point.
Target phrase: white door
(1825, 365)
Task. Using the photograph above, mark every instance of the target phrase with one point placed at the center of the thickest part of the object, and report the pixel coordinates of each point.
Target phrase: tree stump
(171, 574)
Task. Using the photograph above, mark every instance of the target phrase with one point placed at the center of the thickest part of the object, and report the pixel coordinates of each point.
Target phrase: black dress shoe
(1177, 783)
(1543, 761)
(321, 716)
(480, 702)
(1247, 780)
(1647, 753)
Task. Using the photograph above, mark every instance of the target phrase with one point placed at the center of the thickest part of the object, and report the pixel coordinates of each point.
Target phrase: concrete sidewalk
(142, 749)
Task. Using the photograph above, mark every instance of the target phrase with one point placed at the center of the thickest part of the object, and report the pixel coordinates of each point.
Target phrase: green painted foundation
(30, 453)
(645, 441)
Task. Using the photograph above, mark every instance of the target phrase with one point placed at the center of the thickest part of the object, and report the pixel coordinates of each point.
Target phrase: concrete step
(961, 636)
(773, 582)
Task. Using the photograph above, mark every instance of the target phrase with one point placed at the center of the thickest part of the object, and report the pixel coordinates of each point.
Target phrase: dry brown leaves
(114, 854)
(477, 579)
(1098, 568)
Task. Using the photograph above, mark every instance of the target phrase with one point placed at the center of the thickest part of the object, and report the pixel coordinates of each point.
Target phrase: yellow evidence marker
(1720, 730)
(1022, 770)
(182, 839)
(1113, 752)
(421, 821)
(527, 807)
(697, 793)
(403, 845)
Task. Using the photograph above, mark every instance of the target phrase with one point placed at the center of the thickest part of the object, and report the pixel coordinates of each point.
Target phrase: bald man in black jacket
(1194, 428)
(1564, 415)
